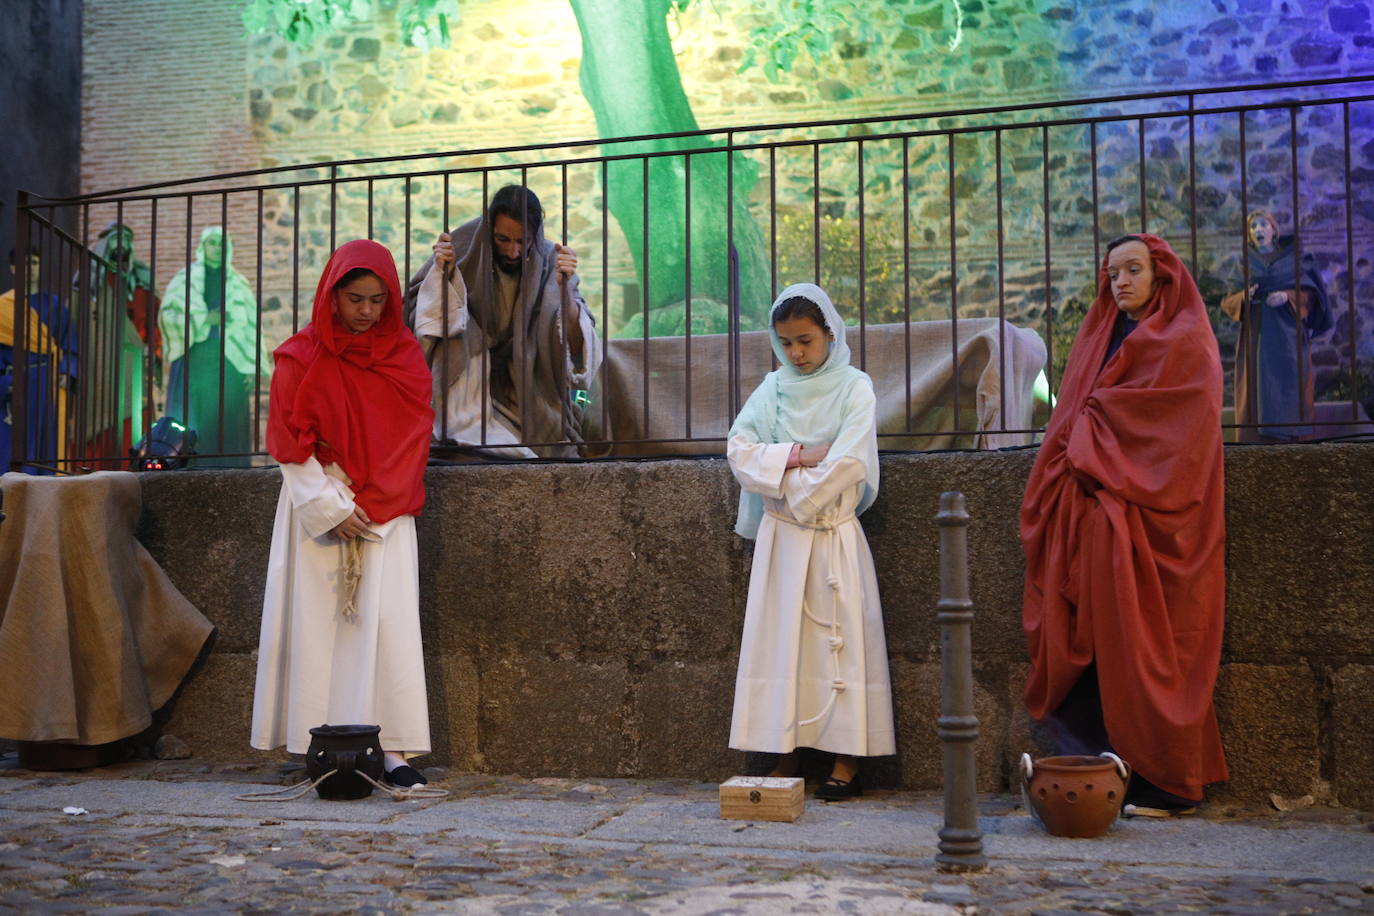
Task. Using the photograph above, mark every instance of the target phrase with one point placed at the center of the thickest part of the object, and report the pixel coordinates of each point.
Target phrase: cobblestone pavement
(170, 837)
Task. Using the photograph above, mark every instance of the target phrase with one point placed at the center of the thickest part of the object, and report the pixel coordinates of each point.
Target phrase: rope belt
(827, 527)
(352, 562)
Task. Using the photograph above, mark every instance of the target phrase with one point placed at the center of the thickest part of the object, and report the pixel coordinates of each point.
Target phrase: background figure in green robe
(211, 306)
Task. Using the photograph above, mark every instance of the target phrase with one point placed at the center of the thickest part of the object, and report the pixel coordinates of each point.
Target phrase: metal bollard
(961, 842)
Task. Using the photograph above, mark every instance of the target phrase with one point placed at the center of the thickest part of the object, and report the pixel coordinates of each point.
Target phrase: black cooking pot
(348, 750)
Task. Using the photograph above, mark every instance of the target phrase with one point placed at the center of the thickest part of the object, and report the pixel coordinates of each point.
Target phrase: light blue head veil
(832, 404)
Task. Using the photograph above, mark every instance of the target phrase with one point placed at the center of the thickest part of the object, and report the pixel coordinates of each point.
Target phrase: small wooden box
(762, 798)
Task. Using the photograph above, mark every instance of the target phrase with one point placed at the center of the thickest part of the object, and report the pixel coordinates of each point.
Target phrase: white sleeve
(810, 491)
(758, 467)
(320, 501)
(429, 305)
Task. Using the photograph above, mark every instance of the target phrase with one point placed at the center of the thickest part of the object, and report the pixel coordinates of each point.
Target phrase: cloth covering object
(531, 374)
(1285, 390)
(1123, 528)
(813, 658)
(998, 365)
(350, 424)
(94, 637)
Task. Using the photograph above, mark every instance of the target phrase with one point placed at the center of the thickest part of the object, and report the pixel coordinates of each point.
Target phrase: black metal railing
(960, 246)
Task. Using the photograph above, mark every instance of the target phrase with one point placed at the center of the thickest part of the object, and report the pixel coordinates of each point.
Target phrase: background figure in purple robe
(1278, 322)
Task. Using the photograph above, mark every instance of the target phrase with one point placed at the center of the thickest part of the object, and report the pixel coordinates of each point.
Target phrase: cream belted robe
(813, 661)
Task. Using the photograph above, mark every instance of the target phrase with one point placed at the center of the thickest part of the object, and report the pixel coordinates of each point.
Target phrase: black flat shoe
(838, 790)
(405, 776)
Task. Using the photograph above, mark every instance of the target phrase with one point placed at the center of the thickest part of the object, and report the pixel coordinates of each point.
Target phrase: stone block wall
(583, 619)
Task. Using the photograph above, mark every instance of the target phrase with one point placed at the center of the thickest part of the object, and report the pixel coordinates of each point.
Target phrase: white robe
(316, 667)
(816, 679)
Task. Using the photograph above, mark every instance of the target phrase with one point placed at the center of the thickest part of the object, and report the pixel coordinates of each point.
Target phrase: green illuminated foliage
(423, 23)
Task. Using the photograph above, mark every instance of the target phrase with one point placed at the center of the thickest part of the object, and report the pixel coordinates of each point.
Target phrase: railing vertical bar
(85, 312)
(773, 223)
(333, 206)
(731, 279)
(150, 324)
(644, 203)
(1097, 225)
(19, 392)
(369, 215)
(605, 292)
(1248, 330)
(117, 319)
(1350, 268)
(444, 306)
(954, 287)
(186, 318)
(1300, 335)
(295, 258)
(257, 336)
(863, 302)
(486, 351)
(223, 307)
(687, 278)
(1192, 182)
(906, 276)
(1140, 174)
(816, 209)
(1048, 224)
(406, 269)
(524, 389)
(1001, 292)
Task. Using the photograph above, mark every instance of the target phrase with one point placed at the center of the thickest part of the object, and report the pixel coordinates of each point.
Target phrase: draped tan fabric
(997, 366)
(94, 637)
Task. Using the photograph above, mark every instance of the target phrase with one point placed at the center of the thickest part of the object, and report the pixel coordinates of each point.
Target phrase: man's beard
(511, 267)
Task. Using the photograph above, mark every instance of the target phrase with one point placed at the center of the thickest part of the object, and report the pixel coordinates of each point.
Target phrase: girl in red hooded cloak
(1123, 528)
(350, 425)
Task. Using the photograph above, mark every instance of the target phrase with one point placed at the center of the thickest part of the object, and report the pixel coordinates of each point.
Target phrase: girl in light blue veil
(813, 659)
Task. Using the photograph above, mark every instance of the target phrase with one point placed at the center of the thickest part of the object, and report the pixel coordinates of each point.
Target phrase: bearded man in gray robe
(508, 336)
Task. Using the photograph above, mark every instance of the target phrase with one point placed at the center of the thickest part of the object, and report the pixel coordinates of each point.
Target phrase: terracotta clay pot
(1074, 796)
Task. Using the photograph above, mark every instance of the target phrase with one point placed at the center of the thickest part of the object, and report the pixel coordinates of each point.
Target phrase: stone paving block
(1269, 719)
(553, 717)
(821, 826)
(502, 818)
(1352, 738)
(112, 798)
(1188, 842)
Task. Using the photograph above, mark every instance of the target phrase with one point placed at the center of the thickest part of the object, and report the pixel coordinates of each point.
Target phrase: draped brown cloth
(996, 370)
(94, 638)
(1123, 527)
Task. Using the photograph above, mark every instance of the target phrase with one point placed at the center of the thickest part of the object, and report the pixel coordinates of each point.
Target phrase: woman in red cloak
(350, 425)
(1123, 528)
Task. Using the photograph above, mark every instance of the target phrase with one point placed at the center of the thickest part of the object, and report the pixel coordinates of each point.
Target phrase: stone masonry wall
(583, 619)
